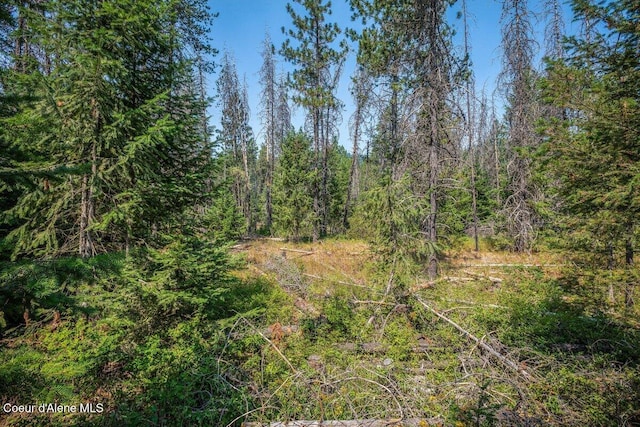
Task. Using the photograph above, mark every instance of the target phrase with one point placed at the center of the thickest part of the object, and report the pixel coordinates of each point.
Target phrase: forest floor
(499, 339)
(326, 331)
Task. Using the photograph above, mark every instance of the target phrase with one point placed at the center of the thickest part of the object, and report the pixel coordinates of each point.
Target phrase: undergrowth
(315, 336)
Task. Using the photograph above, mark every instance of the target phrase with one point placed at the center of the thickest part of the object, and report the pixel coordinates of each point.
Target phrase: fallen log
(297, 251)
(480, 343)
(482, 276)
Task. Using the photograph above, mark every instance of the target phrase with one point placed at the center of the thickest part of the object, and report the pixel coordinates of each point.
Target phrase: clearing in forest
(498, 339)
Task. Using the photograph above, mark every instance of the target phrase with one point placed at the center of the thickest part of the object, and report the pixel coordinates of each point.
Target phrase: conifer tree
(361, 91)
(269, 111)
(236, 138)
(518, 77)
(310, 48)
(592, 153)
(106, 142)
(293, 180)
(408, 43)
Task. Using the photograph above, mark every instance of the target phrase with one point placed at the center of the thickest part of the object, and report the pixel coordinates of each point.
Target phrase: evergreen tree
(339, 166)
(236, 139)
(269, 84)
(292, 184)
(593, 154)
(310, 48)
(361, 91)
(108, 143)
(409, 44)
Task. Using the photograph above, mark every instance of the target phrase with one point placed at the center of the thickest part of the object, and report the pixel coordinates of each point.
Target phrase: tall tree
(235, 137)
(310, 47)
(471, 147)
(283, 111)
(554, 29)
(592, 153)
(360, 90)
(518, 77)
(107, 127)
(408, 43)
(293, 179)
(269, 110)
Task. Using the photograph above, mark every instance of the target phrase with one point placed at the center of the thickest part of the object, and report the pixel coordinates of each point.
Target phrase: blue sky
(241, 26)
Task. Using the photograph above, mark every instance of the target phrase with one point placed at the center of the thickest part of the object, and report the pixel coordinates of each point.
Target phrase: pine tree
(592, 154)
(309, 48)
(236, 139)
(518, 77)
(361, 91)
(109, 143)
(293, 179)
(269, 84)
(408, 43)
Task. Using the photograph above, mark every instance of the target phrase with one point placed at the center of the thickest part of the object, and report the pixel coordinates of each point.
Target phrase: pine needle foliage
(109, 141)
(591, 153)
(292, 187)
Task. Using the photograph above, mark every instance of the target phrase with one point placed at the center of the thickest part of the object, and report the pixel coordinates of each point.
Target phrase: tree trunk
(628, 256)
(470, 133)
(316, 189)
(87, 210)
(84, 247)
(353, 174)
(247, 183)
(325, 174)
(432, 231)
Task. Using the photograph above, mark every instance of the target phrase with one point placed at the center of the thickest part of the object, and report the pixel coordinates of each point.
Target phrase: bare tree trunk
(432, 231)
(316, 188)
(470, 133)
(324, 216)
(628, 257)
(84, 247)
(247, 184)
(87, 209)
(496, 155)
(353, 174)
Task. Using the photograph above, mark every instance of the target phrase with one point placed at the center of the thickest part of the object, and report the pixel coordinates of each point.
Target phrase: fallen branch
(275, 347)
(482, 276)
(458, 279)
(505, 361)
(461, 301)
(337, 270)
(374, 302)
(297, 251)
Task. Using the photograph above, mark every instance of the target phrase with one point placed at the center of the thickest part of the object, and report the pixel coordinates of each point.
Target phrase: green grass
(353, 354)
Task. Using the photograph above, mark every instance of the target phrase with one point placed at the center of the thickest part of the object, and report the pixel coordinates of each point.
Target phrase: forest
(455, 260)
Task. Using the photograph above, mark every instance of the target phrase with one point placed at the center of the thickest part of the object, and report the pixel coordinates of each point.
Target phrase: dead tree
(269, 114)
(361, 88)
(518, 77)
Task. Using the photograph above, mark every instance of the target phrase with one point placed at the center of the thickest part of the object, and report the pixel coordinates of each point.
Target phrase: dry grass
(338, 260)
(503, 300)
